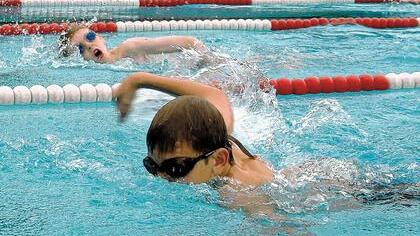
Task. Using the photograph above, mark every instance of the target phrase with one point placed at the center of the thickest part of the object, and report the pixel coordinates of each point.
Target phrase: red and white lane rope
(340, 84)
(71, 93)
(170, 3)
(232, 24)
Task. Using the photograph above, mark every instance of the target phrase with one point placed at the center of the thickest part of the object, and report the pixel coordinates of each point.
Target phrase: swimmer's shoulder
(132, 47)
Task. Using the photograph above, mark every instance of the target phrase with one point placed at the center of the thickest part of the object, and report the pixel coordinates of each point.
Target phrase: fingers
(123, 106)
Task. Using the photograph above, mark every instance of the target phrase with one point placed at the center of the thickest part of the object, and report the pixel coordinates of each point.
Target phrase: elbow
(195, 43)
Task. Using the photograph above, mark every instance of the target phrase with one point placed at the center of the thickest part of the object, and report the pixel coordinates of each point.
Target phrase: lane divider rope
(71, 93)
(340, 84)
(232, 24)
(171, 3)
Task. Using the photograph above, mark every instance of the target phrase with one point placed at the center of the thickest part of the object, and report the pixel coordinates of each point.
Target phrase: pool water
(73, 169)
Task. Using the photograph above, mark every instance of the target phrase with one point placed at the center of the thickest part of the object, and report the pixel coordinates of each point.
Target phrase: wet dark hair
(188, 119)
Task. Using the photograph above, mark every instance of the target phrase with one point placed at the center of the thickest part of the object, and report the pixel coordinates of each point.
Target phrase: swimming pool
(73, 169)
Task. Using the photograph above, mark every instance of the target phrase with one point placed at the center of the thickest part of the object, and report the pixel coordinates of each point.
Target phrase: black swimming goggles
(175, 167)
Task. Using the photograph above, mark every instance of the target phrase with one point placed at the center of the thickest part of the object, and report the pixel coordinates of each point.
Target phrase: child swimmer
(189, 140)
(93, 47)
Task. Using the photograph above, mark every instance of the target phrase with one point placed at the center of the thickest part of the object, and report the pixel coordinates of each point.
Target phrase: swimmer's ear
(221, 157)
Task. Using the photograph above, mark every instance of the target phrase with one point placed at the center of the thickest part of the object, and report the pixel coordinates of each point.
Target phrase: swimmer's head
(79, 37)
(188, 140)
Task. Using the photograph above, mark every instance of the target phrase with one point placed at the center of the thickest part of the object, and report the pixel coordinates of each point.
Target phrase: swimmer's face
(91, 45)
(215, 164)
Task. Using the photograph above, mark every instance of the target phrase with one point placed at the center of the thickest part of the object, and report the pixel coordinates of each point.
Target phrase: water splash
(37, 53)
(332, 184)
(257, 116)
(324, 112)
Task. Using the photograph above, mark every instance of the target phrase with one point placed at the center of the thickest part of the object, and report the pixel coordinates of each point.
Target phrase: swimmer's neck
(247, 171)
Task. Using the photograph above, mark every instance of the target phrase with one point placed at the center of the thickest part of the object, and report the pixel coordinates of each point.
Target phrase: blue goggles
(90, 37)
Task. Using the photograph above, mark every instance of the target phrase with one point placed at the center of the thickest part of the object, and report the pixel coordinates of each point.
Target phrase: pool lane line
(71, 93)
(341, 84)
(173, 3)
(232, 24)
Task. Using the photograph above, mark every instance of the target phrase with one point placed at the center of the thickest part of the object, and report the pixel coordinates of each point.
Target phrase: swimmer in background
(93, 47)
(189, 140)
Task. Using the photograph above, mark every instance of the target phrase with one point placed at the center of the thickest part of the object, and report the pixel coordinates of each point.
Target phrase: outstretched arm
(166, 44)
(178, 87)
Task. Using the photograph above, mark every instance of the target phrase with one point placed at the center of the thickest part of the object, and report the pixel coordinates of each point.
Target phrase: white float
(129, 26)
(39, 94)
(22, 95)
(55, 94)
(121, 26)
(71, 93)
(115, 89)
(6, 95)
(104, 92)
(173, 25)
(87, 93)
(407, 80)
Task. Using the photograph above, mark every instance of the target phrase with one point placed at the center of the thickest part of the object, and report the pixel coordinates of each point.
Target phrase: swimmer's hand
(125, 95)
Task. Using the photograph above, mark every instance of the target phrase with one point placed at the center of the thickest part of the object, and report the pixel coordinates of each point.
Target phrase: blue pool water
(73, 169)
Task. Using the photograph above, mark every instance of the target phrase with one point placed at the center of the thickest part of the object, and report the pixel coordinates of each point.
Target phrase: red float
(299, 23)
(283, 86)
(282, 24)
(290, 24)
(374, 23)
(380, 82)
(33, 28)
(25, 28)
(307, 23)
(398, 22)
(55, 28)
(10, 3)
(314, 22)
(405, 22)
(413, 22)
(359, 20)
(101, 27)
(327, 85)
(382, 23)
(313, 84)
(350, 20)
(334, 21)
(323, 21)
(15, 30)
(6, 29)
(390, 22)
(366, 22)
(366, 82)
(299, 87)
(353, 83)
(340, 84)
(94, 27)
(111, 27)
(44, 28)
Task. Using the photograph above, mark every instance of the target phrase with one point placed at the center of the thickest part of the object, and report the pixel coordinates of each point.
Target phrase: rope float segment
(232, 24)
(71, 93)
(340, 84)
(172, 3)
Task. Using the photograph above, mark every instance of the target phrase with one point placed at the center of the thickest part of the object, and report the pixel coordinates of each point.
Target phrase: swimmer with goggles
(93, 47)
